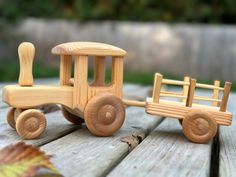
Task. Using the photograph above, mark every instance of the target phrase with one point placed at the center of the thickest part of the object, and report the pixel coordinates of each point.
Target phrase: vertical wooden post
(185, 88)
(99, 71)
(117, 75)
(80, 91)
(157, 87)
(225, 97)
(26, 52)
(65, 69)
(216, 93)
(191, 91)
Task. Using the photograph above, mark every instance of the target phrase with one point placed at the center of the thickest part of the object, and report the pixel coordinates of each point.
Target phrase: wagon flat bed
(164, 151)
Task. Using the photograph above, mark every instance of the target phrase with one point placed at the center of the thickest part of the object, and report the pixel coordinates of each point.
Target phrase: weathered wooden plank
(166, 152)
(227, 140)
(88, 155)
(57, 126)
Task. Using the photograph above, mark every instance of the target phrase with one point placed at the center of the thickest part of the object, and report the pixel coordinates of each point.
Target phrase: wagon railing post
(185, 88)
(225, 97)
(157, 87)
(216, 93)
(191, 91)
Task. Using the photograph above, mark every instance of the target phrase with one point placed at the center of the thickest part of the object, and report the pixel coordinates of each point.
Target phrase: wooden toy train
(101, 106)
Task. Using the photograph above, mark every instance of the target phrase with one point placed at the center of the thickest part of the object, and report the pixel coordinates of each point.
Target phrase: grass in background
(9, 71)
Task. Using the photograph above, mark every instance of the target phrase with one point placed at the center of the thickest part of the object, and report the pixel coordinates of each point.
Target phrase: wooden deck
(145, 146)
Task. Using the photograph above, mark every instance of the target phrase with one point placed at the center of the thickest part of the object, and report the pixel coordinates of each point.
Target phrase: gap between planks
(227, 144)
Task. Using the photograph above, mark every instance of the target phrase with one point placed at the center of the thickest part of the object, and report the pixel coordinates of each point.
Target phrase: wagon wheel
(104, 114)
(11, 117)
(199, 126)
(71, 117)
(30, 124)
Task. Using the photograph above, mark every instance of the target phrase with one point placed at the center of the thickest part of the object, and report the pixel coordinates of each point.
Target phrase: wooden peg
(26, 52)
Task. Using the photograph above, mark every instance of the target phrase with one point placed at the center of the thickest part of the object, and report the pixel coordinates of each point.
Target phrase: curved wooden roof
(88, 48)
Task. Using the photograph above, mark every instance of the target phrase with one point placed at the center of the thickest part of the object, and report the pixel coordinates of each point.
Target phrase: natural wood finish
(191, 91)
(104, 114)
(185, 88)
(157, 87)
(225, 97)
(179, 110)
(134, 103)
(26, 52)
(65, 69)
(117, 75)
(207, 86)
(216, 93)
(99, 71)
(175, 82)
(25, 97)
(80, 90)
(199, 126)
(88, 48)
(71, 117)
(30, 124)
(202, 98)
(11, 118)
(172, 95)
(71, 81)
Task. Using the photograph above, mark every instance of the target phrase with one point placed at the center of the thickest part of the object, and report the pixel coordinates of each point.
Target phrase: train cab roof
(88, 48)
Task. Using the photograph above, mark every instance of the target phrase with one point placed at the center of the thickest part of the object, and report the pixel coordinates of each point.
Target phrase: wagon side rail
(188, 93)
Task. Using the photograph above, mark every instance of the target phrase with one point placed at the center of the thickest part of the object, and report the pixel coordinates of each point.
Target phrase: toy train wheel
(30, 124)
(104, 114)
(11, 117)
(199, 126)
(71, 117)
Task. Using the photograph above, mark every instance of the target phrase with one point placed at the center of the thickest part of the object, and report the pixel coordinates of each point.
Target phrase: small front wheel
(104, 114)
(199, 126)
(30, 124)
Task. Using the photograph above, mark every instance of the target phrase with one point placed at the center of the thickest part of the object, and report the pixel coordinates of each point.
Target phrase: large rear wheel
(104, 114)
(199, 126)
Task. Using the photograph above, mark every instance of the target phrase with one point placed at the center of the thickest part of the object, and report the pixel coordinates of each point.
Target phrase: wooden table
(145, 146)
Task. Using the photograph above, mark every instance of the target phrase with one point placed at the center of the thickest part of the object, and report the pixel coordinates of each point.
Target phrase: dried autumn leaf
(21, 160)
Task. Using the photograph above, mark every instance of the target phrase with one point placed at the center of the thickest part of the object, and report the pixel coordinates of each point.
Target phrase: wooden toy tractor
(99, 105)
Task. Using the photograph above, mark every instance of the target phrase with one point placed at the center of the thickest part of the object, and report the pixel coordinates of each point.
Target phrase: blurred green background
(168, 11)
(200, 11)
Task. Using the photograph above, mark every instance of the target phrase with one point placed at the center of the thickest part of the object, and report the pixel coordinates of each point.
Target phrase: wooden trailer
(199, 121)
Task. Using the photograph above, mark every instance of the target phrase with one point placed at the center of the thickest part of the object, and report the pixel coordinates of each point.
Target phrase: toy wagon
(100, 105)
